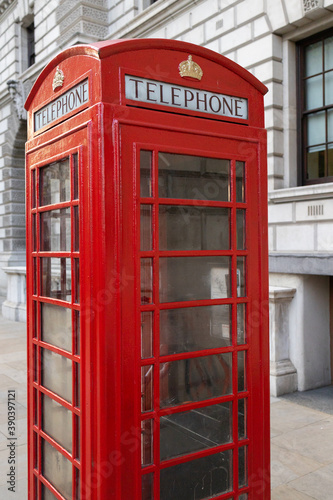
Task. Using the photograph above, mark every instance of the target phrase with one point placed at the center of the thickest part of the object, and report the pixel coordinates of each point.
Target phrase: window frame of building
(307, 110)
(144, 4)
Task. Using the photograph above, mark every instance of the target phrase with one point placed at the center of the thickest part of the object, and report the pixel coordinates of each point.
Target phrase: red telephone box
(147, 276)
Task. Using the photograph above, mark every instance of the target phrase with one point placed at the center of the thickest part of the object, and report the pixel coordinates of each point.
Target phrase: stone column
(14, 308)
(283, 374)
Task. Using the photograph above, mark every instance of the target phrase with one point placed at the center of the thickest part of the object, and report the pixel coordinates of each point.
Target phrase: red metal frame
(107, 136)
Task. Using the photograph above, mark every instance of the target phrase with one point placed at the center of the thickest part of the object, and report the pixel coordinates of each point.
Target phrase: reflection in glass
(328, 48)
(47, 494)
(33, 189)
(77, 484)
(243, 497)
(34, 233)
(146, 174)
(330, 159)
(241, 276)
(75, 176)
(242, 419)
(57, 422)
(147, 319)
(146, 228)
(314, 92)
(195, 328)
(316, 128)
(198, 479)
(148, 486)
(316, 162)
(241, 229)
(242, 466)
(313, 59)
(77, 281)
(195, 430)
(34, 276)
(147, 383)
(77, 385)
(56, 278)
(194, 228)
(241, 364)
(146, 281)
(241, 324)
(56, 230)
(77, 437)
(330, 125)
(57, 374)
(193, 177)
(77, 332)
(56, 326)
(240, 181)
(147, 442)
(57, 469)
(55, 183)
(194, 278)
(329, 88)
(76, 244)
(195, 379)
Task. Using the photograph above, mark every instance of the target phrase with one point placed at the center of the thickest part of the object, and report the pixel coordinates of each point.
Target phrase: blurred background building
(288, 45)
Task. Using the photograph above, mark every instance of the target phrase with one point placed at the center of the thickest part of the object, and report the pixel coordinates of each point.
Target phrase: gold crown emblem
(190, 69)
(58, 79)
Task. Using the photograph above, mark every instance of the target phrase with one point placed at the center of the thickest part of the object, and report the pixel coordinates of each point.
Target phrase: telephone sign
(147, 276)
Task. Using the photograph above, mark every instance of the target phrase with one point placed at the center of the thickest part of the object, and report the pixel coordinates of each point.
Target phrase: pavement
(301, 431)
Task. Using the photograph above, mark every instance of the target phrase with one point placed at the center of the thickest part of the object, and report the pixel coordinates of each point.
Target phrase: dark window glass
(316, 108)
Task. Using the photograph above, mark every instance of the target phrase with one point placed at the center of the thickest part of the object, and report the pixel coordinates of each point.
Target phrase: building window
(147, 3)
(31, 44)
(316, 108)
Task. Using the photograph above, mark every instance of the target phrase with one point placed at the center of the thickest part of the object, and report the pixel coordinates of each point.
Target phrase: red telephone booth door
(191, 240)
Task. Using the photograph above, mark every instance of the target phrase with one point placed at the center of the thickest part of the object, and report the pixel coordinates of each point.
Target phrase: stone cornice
(4, 5)
(150, 18)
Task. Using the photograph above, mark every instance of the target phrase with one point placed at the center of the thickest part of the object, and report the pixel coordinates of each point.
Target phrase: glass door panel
(193, 255)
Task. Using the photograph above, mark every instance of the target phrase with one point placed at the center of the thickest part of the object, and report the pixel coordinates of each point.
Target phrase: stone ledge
(302, 263)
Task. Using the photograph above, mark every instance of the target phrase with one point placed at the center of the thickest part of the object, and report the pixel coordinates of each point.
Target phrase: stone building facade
(288, 45)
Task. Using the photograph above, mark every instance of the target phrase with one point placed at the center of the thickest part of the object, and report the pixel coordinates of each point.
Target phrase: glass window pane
(77, 437)
(195, 430)
(329, 88)
(241, 276)
(77, 333)
(241, 368)
(146, 174)
(147, 324)
(195, 379)
(195, 328)
(56, 278)
(56, 326)
(33, 189)
(194, 228)
(243, 497)
(148, 487)
(56, 230)
(146, 281)
(34, 232)
(193, 177)
(316, 162)
(57, 469)
(77, 395)
(241, 229)
(330, 126)
(57, 374)
(240, 181)
(194, 278)
(316, 128)
(55, 183)
(147, 384)
(314, 92)
(77, 281)
(330, 159)
(47, 494)
(76, 244)
(202, 478)
(57, 422)
(146, 228)
(75, 176)
(313, 59)
(328, 49)
(241, 324)
(147, 442)
(242, 466)
(242, 419)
